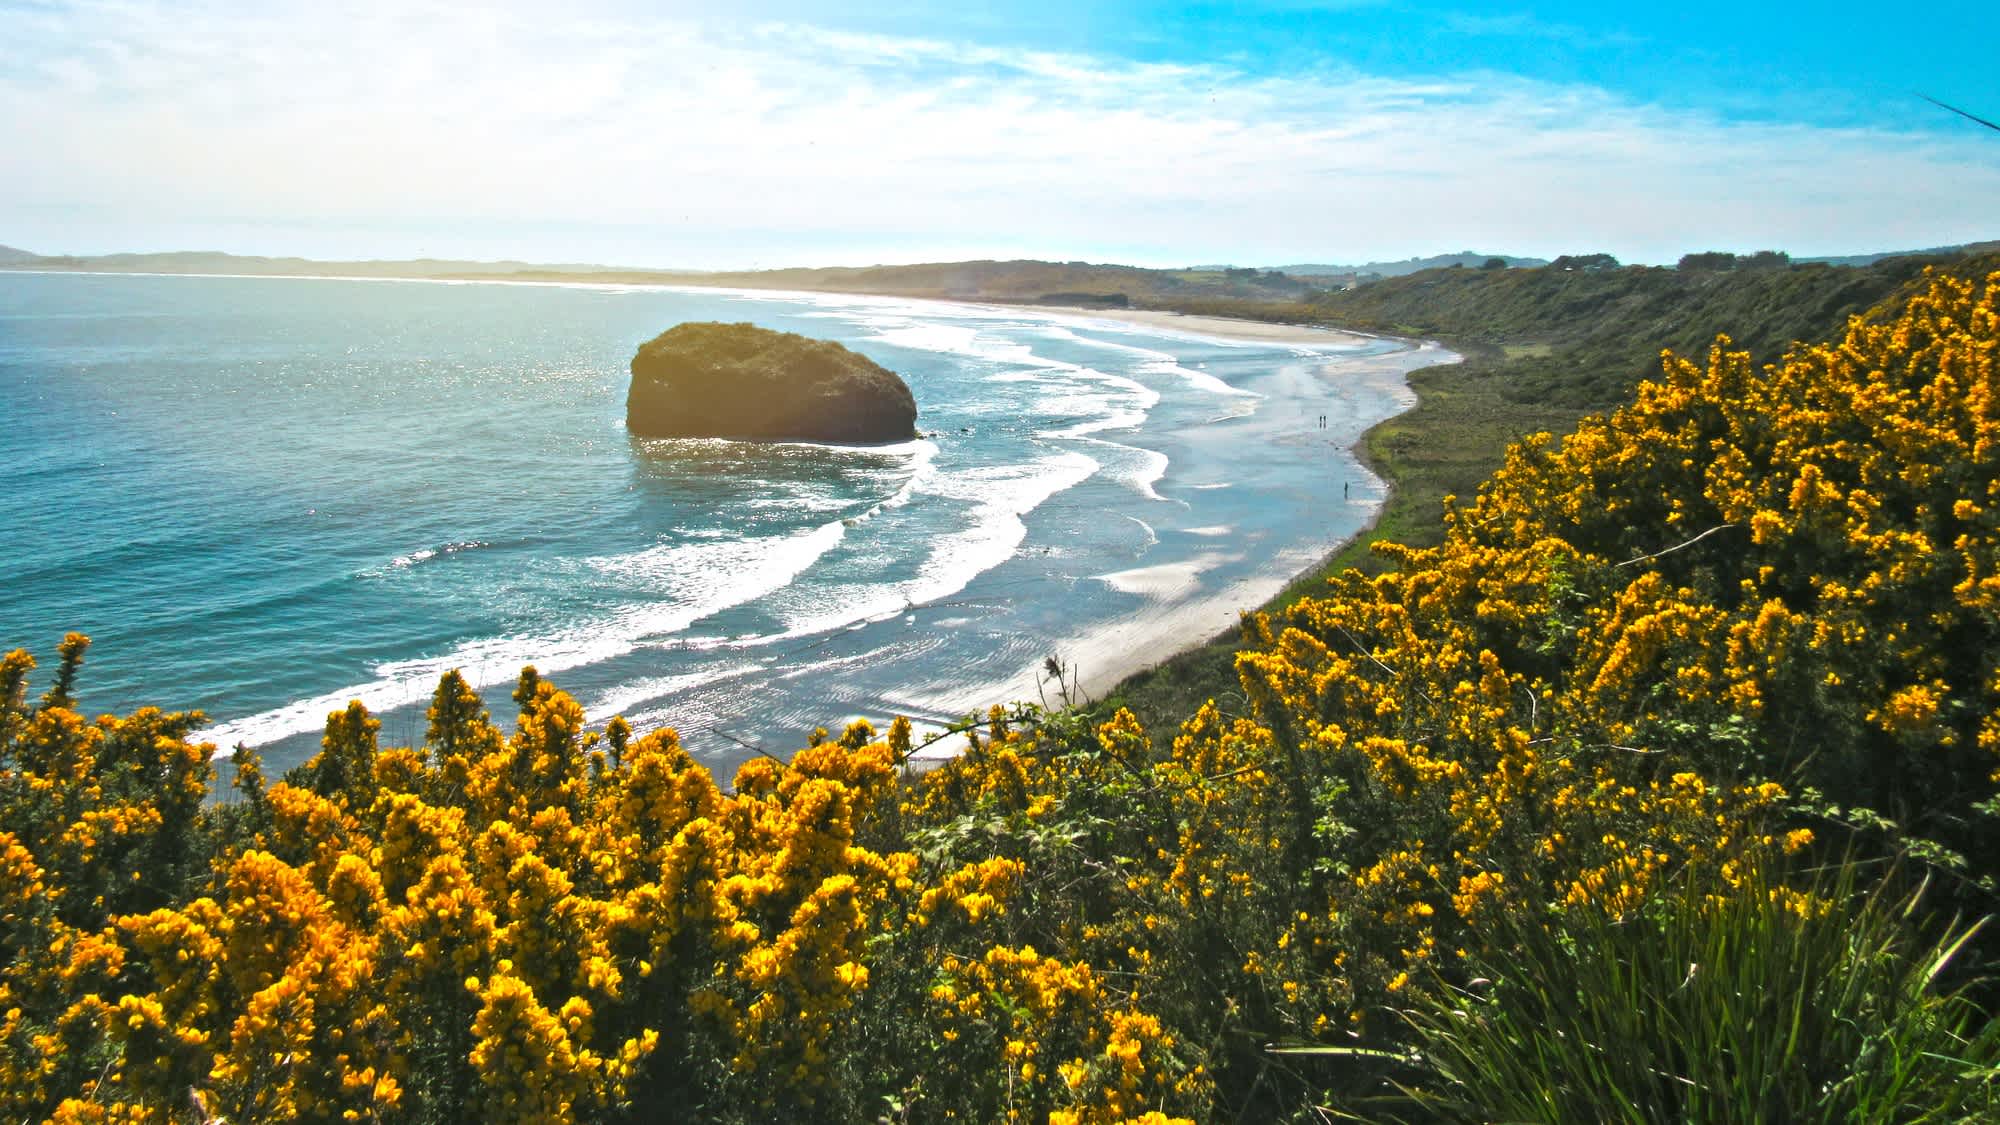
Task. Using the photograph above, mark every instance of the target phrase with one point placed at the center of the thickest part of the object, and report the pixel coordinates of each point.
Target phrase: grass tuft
(1720, 1000)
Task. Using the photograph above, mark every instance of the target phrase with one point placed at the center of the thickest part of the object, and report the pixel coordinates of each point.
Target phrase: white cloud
(405, 128)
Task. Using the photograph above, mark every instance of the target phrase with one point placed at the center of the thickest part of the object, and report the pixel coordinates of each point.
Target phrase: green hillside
(1542, 348)
(1583, 338)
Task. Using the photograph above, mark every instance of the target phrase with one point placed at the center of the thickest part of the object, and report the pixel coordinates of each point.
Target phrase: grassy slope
(1542, 350)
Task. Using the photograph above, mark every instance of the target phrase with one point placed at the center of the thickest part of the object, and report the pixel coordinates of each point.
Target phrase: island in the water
(704, 379)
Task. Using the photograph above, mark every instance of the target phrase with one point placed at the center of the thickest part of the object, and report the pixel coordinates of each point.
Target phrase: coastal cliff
(705, 379)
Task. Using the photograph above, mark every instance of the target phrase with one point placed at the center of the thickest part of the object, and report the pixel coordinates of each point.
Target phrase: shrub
(1723, 997)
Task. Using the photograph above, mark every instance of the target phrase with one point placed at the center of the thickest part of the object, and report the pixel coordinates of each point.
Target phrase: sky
(765, 133)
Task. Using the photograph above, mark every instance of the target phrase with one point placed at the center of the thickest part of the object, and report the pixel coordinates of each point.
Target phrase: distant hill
(1584, 338)
(1466, 258)
(213, 261)
(1871, 259)
(1446, 294)
(1024, 281)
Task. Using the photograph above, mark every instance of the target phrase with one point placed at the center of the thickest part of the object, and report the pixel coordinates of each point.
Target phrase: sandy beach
(1225, 327)
(1181, 609)
(1189, 602)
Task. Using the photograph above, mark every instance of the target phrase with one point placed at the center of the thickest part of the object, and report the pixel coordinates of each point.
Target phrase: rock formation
(706, 379)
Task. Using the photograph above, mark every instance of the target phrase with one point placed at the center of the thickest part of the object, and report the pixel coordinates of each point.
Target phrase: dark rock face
(740, 381)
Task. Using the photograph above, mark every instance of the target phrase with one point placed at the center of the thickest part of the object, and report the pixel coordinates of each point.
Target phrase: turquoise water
(263, 497)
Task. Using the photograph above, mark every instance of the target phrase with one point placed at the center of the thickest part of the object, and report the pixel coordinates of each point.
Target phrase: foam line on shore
(694, 580)
(1159, 362)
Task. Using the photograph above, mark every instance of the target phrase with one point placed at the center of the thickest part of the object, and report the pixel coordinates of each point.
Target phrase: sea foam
(690, 580)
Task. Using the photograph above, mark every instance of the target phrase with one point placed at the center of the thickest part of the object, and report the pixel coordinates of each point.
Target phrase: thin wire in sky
(1960, 112)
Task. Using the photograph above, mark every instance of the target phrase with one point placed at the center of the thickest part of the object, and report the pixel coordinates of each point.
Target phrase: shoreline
(1113, 656)
(1240, 329)
(1178, 620)
(1109, 658)
(1224, 327)
(1126, 648)
(1255, 595)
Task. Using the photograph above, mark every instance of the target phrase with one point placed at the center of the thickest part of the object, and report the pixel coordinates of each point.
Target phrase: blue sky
(1828, 63)
(767, 132)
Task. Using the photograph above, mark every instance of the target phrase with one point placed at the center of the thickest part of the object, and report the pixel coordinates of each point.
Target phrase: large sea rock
(705, 379)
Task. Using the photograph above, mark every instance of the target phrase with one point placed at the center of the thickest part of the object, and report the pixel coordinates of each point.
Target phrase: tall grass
(1717, 1002)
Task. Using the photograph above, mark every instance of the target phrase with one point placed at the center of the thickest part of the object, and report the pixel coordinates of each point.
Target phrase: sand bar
(1224, 327)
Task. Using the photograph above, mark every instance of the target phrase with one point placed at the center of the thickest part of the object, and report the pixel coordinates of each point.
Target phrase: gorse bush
(1752, 608)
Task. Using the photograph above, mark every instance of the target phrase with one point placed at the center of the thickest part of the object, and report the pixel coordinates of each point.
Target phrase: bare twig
(1363, 650)
(1025, 716)
(1678, 546)
(746, 744)
(1227, 774)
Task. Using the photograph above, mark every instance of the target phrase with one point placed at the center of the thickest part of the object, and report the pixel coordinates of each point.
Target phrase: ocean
(264, 497)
